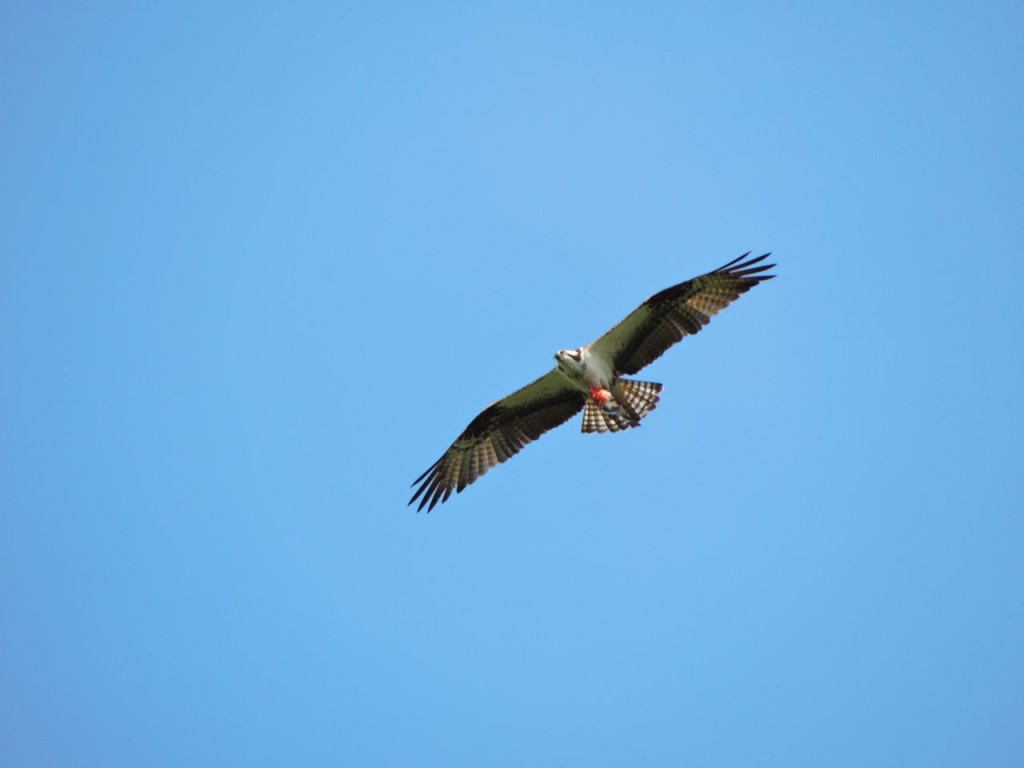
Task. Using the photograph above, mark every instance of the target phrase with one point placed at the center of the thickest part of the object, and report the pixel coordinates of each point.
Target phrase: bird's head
(568, 360)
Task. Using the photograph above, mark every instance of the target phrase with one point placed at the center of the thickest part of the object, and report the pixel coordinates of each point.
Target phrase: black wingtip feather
(742, 262)
(429, 470)
(734, 261)
(748, 269)
(427, 488)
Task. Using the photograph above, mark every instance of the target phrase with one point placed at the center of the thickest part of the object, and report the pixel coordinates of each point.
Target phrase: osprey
(589, 378)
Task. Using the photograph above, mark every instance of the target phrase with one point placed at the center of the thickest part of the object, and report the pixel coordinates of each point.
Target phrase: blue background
(261, 263)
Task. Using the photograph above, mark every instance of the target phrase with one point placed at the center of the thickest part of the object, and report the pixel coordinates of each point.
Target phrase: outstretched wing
(499, 432)
(679, 311)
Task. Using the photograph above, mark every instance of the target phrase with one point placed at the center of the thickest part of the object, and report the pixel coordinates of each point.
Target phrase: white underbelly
(597, 371)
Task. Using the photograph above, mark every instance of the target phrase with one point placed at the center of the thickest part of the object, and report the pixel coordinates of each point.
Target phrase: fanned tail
(630, 401)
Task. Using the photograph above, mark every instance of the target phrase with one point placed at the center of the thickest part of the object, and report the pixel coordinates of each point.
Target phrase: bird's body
(610, 404)
(590, 378)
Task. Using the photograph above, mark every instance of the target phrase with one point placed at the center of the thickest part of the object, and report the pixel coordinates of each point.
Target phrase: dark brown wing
(499, 432)
(679, 311)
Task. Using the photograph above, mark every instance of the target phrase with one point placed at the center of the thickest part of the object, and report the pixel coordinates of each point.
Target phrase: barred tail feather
(641, 396)
(632, 400)
(599, 418)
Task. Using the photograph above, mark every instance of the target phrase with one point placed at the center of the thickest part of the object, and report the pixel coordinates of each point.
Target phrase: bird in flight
(589, 378)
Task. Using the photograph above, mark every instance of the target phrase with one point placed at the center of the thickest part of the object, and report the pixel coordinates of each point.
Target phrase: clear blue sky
(260, 264)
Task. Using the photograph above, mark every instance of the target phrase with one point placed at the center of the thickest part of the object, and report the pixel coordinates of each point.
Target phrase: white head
(569, 360)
